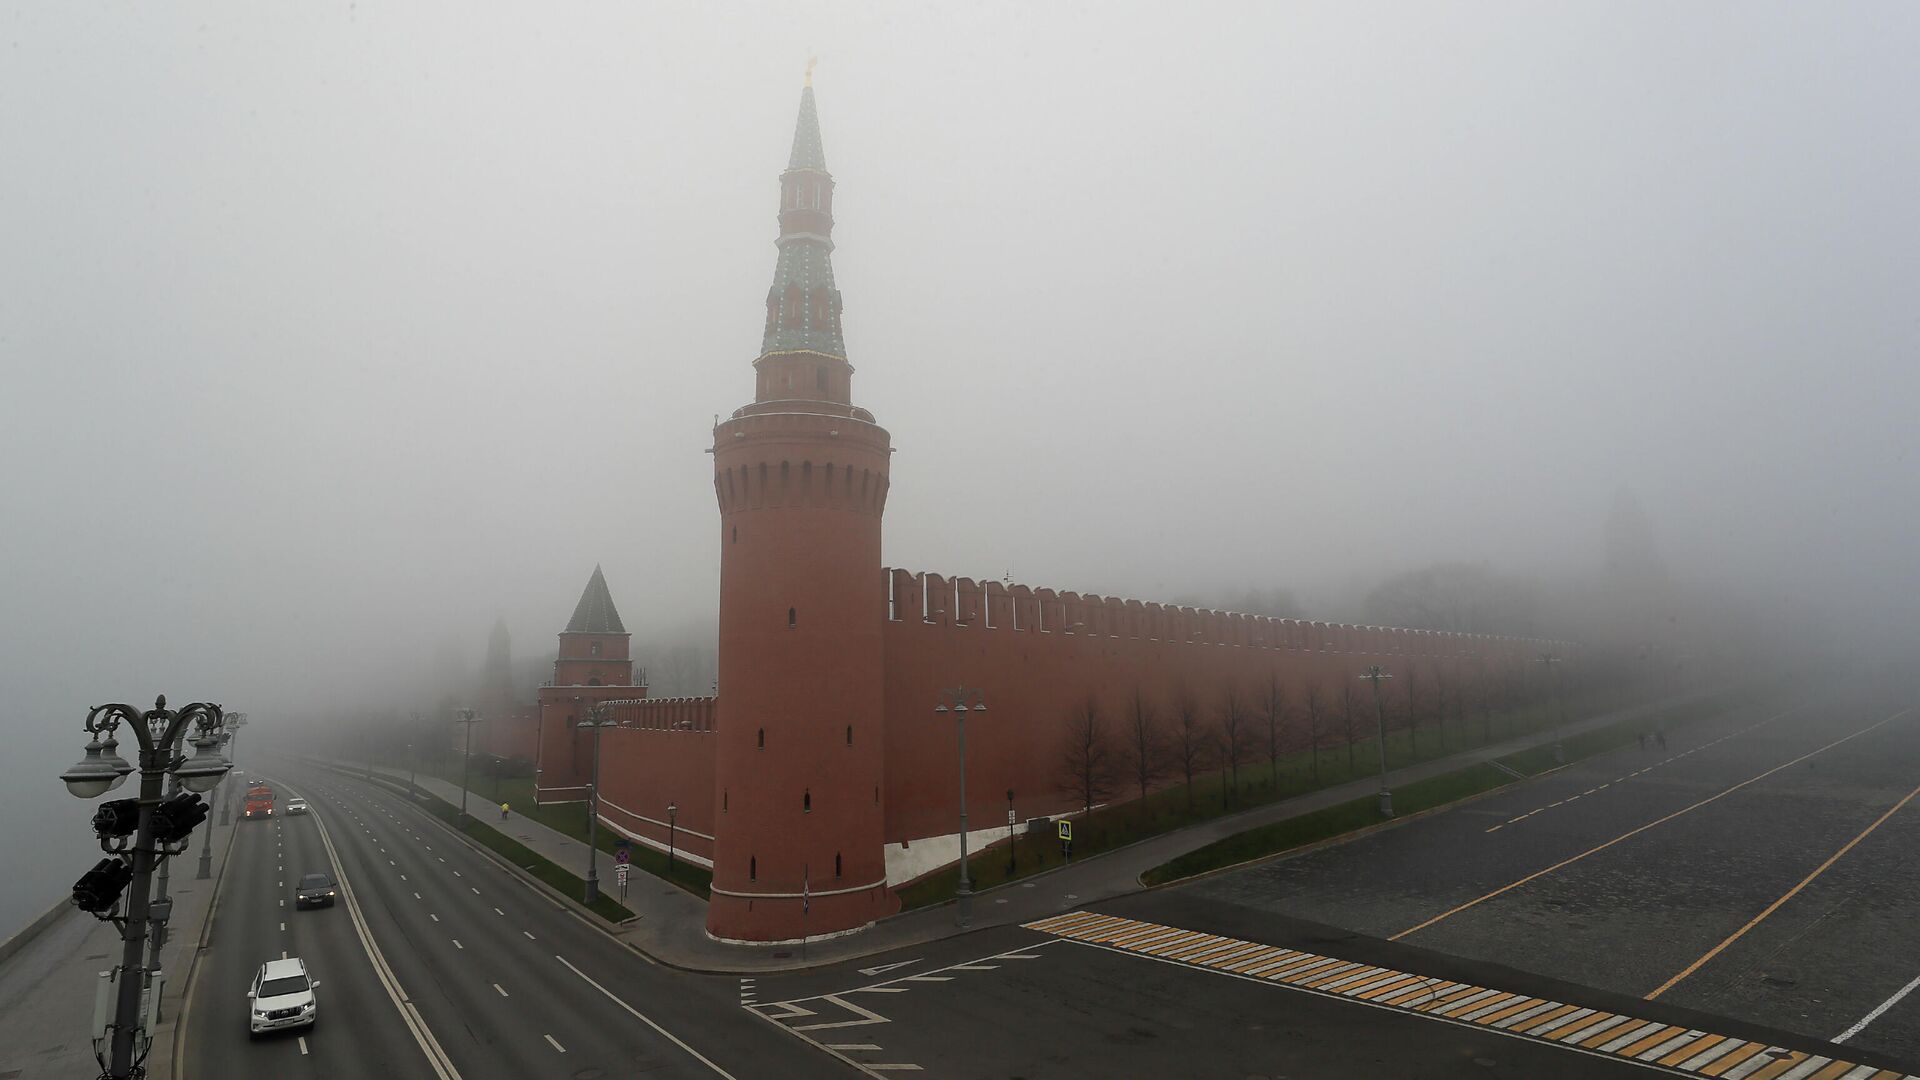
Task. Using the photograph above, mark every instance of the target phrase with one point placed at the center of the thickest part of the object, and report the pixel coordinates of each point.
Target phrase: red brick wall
(1038, 655)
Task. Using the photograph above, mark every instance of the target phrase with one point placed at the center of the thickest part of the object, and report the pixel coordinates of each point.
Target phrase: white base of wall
(930, 853)
(797, 941)
(678, 853)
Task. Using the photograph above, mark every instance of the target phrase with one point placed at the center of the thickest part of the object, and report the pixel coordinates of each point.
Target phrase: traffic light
(99, 888)
(117, 818)
(173, 820)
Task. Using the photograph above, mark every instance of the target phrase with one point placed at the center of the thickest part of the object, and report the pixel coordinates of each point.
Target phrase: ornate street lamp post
(159, 827)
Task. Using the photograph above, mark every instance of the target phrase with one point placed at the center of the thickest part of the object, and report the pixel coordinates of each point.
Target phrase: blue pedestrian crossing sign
(1066, 830)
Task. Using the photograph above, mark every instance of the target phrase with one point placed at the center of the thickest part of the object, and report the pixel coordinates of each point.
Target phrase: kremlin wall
(818, 779)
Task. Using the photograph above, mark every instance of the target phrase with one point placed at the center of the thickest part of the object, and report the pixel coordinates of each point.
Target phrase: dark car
(315, 889)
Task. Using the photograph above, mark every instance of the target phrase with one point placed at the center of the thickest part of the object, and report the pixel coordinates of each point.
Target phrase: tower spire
(803, 304)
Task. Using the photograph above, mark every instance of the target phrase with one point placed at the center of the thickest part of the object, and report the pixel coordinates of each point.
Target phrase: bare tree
(1235, 738)
(1146, 744)
(1189, 739)
(1347, 708)
(1088, 766)
(1274, 713)
(1313, 702)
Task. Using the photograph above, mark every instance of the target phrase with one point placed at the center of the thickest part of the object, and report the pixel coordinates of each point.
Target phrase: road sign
(1010, 818)
(621, 857)
(620, 874)
(1066, 830)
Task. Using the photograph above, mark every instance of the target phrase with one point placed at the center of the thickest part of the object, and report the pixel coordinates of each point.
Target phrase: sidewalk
(670, 924)
(47, 987)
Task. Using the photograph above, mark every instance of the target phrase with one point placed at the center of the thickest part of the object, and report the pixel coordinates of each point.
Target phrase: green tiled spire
(803, 306)
(807, 151)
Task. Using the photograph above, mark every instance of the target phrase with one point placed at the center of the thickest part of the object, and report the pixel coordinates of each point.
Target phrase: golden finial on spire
(811, 60)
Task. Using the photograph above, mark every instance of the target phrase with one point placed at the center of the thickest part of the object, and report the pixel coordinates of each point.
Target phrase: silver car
(282, 997)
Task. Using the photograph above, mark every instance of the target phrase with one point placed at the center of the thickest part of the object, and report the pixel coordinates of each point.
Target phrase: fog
(333, 333)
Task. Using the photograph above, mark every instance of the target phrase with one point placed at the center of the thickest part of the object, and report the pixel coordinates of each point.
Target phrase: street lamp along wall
(137, 834)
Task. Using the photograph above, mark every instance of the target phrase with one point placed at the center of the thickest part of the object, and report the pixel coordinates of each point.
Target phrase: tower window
(806, 801)
(849, 734)
(793, 619)
(763, 740)
(836, 864)
(723, 800)
(820, 379)
(594, 648)
(753, 868)
(736, 534)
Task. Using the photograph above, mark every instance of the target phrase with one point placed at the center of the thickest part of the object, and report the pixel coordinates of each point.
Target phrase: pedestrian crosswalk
(1684, 1050)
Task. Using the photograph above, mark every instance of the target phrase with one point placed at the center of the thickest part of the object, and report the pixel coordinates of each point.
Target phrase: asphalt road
(1626, 871)
(502, 980)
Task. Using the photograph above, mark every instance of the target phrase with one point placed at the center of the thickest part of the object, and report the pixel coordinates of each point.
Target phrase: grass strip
(522, 856)
(570, 820)
(1325, 824)
(1214, 794)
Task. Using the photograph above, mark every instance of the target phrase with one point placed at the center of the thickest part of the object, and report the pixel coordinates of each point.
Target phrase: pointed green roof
(807, 151)
(595, 613)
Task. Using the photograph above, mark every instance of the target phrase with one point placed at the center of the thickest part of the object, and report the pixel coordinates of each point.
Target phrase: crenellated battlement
(682, 715)
(965, 604)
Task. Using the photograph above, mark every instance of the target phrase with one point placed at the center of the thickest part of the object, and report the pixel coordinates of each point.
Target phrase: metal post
(955, 701)
(1012, 858)
(162, 907)
(1374, 675)
(132, 977)
(1560, 706)
(591, 891)
(673, 817)
(466, 719)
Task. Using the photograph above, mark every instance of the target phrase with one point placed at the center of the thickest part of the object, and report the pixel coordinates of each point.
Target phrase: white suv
(282, 997)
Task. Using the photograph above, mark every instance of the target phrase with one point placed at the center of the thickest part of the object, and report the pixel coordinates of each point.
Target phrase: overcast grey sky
(332, 332)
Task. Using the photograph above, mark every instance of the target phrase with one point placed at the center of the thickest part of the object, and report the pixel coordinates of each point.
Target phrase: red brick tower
(801, 476)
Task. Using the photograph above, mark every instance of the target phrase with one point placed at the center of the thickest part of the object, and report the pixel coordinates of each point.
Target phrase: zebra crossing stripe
(1682, 1049)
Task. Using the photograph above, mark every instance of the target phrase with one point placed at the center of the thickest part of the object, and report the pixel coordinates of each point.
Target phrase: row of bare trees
(1132, 750)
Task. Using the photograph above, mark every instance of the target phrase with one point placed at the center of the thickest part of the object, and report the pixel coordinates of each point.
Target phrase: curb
(567, 903)
(172, 1064)
(25, 935)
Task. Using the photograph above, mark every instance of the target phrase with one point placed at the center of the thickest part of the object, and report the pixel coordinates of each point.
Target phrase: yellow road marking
(1635, 832)
(1788, 895)
(1517, 1014)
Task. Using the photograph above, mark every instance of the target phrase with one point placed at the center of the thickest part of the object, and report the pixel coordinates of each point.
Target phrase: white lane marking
(853, 1046)
(416, 896)
(456, 873)
(502, 989)
(867, 1016)
(457, 945)
(283, 903)
(642, 1017)
(282, 884)
(1879, 1010)
(403, 877)
(476, 892)
(436, 1056)
(432, 916)
(897, 1067)
(529, 936)
(303, 1046)
(877, 969)
(283, 928)
(555, 1042)
(497, 911)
